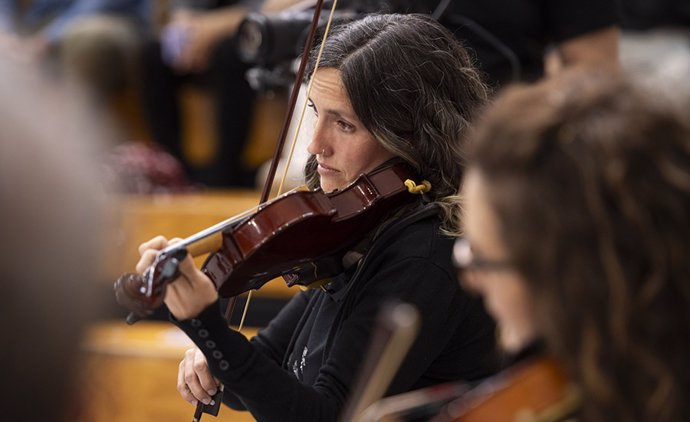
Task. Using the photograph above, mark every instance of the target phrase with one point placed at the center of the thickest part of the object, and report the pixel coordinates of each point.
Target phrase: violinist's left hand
(187, 295)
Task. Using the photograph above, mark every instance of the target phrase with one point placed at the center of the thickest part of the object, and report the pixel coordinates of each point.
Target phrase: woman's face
(488, 270)
(343, 147)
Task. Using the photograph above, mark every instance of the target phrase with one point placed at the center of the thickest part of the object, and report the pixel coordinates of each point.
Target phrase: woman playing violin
(390, 88)
(576, 209)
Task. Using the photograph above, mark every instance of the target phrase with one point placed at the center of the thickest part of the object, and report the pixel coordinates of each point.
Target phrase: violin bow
(213, 407)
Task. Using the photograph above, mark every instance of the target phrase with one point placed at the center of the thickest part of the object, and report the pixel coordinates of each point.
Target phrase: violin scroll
(144, 293)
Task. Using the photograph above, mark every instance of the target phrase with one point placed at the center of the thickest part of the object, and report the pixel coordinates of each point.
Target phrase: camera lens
(251, 37)
(267, 40)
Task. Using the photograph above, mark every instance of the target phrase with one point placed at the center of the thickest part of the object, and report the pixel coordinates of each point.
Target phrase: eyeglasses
(464, 259)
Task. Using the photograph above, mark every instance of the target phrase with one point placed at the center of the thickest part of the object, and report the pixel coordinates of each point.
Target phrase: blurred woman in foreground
(577, 205)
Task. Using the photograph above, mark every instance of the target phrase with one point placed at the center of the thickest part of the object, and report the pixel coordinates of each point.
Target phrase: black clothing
(524, 29)
(302, 365)
(648, 14)
(510, 37)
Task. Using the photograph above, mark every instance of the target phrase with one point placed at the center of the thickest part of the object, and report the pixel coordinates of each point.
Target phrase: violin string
(244, 312)
(210, 230)
(297, 130)
(218, 227)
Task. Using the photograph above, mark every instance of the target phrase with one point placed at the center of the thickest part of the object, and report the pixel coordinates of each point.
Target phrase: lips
(324, 167)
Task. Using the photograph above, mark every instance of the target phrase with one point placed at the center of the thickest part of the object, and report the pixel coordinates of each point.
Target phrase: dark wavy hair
(590, 181)
(415, 88)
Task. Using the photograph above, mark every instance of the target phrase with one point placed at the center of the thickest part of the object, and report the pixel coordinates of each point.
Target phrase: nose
(319, 141)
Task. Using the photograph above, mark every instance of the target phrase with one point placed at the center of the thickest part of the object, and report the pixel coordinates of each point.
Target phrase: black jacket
(302, 366)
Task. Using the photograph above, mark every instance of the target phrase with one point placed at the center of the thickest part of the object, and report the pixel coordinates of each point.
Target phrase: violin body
(303, 235)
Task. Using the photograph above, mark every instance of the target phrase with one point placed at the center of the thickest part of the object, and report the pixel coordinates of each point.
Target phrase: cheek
(471, 282)
(371, 156)
(506, 298)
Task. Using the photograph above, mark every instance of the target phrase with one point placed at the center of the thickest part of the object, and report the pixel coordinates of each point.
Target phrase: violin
(301, 235)
(536, 389)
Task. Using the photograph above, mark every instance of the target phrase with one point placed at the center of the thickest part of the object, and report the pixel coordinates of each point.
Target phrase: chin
(328, 187)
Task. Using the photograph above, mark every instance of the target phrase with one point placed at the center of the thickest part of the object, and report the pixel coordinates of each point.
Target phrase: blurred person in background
(96, 46)
(197, 47)
(94, 39)
(521, 41)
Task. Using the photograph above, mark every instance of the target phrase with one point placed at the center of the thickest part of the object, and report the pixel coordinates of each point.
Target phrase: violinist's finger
(189, 269)
(147, 258)
(192, 380)
(189, 295)
(182, 388)
(157, 243)
(208, 382)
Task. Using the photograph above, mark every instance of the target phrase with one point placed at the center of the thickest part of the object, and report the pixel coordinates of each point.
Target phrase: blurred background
(190, 97)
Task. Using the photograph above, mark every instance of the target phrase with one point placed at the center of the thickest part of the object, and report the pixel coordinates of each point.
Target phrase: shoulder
(410, 251)
(415, 235)
(412, 262)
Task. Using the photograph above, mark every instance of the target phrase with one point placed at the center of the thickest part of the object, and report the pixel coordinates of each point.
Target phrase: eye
(345, 126)
(311, 105)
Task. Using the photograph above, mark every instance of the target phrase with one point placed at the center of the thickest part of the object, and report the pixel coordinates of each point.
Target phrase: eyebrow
(330, 112)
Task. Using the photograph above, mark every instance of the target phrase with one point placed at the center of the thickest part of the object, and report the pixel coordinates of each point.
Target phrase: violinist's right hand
(194, 379)
(188, 295)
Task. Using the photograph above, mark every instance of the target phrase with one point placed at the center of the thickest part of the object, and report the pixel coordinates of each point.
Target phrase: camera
(270, 43)
(269, 40)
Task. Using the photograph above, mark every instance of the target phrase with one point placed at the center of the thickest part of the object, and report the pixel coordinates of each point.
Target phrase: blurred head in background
(576, 209)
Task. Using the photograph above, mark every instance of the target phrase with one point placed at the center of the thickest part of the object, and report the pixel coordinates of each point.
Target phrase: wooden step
(130, 374)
